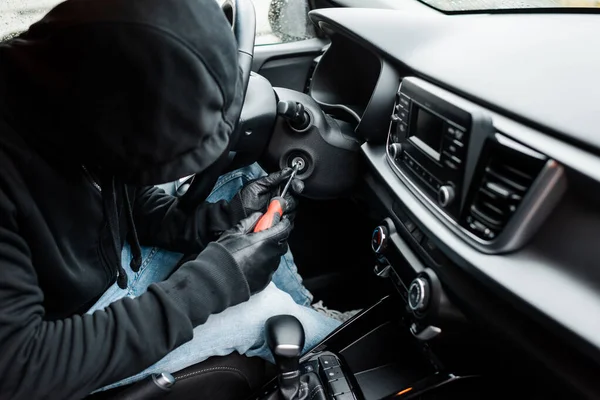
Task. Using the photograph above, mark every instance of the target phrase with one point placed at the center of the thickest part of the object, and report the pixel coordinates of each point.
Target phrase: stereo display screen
(427, 132)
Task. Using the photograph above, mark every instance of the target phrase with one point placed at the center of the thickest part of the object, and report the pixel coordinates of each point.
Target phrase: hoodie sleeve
(162, 223)
(71, 357)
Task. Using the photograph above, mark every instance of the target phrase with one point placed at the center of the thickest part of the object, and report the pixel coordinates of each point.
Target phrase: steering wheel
(242, 17)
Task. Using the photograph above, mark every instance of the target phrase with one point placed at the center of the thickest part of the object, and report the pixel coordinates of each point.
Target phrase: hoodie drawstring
(109, 198)
(134, 242)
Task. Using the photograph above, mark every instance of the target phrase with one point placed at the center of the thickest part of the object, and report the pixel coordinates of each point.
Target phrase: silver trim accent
(381, 245)
(290, 374)
(287, 347)
(163, 380)
(396, 149)
(519, 147)
(426, 334)
(421, 300)
(425, 147)
(445, 195)
(542, 196)
(384, 272)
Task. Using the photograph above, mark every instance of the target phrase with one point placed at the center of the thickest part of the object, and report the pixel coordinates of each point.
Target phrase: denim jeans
(239, 328)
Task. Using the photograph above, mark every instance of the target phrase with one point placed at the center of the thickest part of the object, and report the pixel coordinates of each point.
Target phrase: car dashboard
(483, 158)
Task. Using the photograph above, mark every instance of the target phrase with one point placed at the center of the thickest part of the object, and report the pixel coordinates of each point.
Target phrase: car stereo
(428, 142)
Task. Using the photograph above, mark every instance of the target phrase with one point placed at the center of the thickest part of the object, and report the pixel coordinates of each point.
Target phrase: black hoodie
(97, 100)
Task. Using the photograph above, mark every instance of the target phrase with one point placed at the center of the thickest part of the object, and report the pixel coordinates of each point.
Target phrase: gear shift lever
(285, 338)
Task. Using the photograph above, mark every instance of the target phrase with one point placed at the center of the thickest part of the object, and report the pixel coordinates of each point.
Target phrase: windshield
(472, 5)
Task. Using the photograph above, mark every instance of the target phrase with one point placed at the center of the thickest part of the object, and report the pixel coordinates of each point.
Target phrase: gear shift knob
(285, 338)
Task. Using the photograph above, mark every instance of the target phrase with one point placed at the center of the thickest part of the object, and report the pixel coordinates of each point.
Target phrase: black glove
(257, 254)
(228, 271)
(257, 194)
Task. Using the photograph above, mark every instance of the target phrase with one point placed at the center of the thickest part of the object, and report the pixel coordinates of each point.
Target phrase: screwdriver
(275, 209)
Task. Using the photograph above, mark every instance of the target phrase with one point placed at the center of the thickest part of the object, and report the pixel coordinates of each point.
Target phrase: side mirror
(289, 20)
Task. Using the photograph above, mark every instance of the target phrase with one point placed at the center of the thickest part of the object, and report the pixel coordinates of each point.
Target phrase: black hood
(146, 90)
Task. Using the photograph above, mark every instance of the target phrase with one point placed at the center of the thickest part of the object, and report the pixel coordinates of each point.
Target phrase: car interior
(451, 162)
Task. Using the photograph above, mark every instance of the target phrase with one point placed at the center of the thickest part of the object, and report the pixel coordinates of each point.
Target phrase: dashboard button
(417, 234)
(329, 362)
(433, 182)
(404, 101)
(307, 368)
(334, 373)
(450, 130)
(403, 114)
(450, 163)
(455, 133)
(451, 157)
(339, 386)
(452, 149)
(459, 144)
(410, 226)
(402, 128)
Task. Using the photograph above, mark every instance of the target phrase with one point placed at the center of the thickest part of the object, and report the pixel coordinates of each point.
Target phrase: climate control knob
(395, 150)
(379, 239)
(419, 293)
(446, 195)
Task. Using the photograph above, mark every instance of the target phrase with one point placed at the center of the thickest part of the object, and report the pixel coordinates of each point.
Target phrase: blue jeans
(239, 328)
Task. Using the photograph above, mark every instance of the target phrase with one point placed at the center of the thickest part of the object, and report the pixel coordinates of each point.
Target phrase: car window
(17, 15)
(281, 21)
(277, 21)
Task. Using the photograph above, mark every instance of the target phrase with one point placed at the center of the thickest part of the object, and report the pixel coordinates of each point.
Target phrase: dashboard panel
(485, 168)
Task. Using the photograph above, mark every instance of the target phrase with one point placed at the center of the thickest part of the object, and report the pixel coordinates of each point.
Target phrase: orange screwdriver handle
(272, 216)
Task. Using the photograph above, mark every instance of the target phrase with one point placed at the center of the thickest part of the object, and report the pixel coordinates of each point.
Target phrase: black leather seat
(232, 377)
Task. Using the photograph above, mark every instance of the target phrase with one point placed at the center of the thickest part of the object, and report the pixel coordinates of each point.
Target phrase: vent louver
(507, 177)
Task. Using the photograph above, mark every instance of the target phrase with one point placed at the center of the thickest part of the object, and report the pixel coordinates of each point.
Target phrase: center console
(387, 351)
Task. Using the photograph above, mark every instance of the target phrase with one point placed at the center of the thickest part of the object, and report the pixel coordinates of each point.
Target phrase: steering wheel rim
(242, 17)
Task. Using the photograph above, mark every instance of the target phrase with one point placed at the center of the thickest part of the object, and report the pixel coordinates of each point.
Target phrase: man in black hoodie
(100, 101)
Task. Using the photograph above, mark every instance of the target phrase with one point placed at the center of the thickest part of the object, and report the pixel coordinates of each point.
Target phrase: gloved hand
(257, 254)
(230, 270)
(257, 194)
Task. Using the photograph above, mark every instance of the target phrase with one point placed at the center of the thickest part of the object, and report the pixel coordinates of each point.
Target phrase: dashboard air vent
(507, 176)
